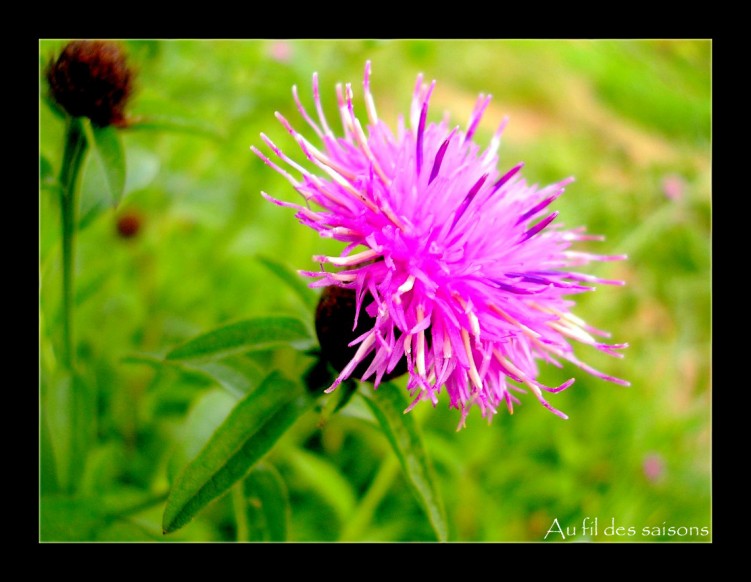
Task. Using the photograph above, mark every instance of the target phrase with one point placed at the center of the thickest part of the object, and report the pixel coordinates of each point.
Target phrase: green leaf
(243, 336)
(205, 416)
(387, 404)
(92, 203)
(236, 376)
(236, 382)
(248, 433)
(292, 279)
(143, 168)
(267, 504)
(109, 151)
(174, 123)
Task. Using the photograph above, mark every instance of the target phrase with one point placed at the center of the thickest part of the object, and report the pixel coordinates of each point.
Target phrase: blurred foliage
(630, 120)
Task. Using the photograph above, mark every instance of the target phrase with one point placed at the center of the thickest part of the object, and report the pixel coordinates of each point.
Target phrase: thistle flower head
(91, 79)
(458, 265)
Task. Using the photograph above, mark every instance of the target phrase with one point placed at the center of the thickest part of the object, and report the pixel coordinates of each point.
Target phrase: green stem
(378, 489)
(73, 155)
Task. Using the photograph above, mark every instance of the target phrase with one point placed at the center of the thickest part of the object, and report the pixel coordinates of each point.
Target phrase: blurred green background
(631, 120)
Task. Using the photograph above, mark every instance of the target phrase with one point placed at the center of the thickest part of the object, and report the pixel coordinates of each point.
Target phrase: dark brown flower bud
(335, 316)
(91, 79)
(128, 225)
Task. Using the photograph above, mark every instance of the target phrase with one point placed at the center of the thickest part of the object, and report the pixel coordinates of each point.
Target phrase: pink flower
(654, 467)
(281, 50)
(673, 186)
(458, 263)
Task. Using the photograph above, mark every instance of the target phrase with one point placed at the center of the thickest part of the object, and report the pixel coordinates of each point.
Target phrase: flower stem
(73, 155)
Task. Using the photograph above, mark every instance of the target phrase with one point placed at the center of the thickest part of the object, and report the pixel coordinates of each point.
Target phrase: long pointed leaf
(176, 123)
(236, 378)
(388, 404)
(243, 336)
(248, 433)
(109, 150)
(231, 379)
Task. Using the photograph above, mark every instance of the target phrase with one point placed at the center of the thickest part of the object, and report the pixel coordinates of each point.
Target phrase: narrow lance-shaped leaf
(248, 433)
(109, 150)
(226, 373)
(243, 336)
(175, 123)
(234, 381)
(388, 404)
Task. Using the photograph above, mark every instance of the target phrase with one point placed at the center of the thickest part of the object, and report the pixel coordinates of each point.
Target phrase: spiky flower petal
(458, 265)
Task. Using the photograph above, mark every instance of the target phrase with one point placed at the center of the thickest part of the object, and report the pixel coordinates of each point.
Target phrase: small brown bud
(335, 316)
(91, 79)
(128, 225)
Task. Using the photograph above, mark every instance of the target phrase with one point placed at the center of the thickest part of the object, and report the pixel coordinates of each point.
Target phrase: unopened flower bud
(91, 79)
(334, 317)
